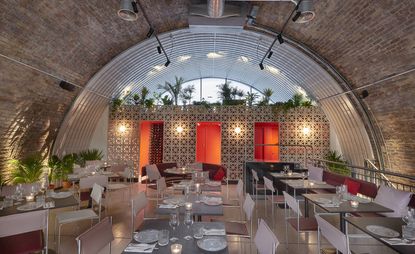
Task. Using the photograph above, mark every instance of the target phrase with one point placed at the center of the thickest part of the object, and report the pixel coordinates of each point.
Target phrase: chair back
(88, 182)
(128, 173)
(138, 204)
(96, 193)
(333, 235)
(255, 175)
(96, 238)
(265, 240)
(269, 184)
(240, 190)
(153, 172)
(248, 206)
(161, 185)
(292, 203)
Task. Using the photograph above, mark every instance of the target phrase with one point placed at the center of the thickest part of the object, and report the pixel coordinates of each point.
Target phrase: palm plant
(27, 170)
(90, 155)
(267, 93)
(141, 99)
(187, 94)
(250, 98)
(173, 89)
(225, 92)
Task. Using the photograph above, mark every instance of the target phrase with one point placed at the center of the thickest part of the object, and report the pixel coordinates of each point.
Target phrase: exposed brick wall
(32, 106)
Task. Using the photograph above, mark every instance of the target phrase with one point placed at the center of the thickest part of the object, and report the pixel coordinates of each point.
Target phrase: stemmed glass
(188, 221)
(174, 222)
(19, 192)
(304, 175)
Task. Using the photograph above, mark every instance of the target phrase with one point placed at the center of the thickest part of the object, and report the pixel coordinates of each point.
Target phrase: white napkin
(167, 206)
(397, 241)
(214, 231)
(140, 247)
(329, 205)
(213, 199)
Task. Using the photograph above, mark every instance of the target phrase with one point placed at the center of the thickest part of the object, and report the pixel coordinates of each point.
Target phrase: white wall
(99, 139)
(334, 141)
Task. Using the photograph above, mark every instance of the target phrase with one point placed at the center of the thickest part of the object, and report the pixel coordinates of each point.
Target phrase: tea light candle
(188, 206)
(290, 173)
(30, 198)
(354, 203)
(176, 248)
(197, 187)
(311, 183)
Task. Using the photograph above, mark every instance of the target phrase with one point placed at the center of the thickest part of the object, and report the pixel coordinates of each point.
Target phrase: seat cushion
(306, 224)
(72, 216)
(352, 186)
(394, 199)
(234, 228)
(33, 242)
(219, 175)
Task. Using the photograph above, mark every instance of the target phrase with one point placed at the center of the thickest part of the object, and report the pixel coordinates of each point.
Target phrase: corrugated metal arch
(136, 67)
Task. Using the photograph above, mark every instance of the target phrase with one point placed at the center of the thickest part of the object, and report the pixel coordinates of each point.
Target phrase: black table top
(189, 246)
(392, 223)
(345, 206)
(299, 184)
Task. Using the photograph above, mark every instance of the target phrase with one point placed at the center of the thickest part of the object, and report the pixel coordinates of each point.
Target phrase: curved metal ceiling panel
(237, 58)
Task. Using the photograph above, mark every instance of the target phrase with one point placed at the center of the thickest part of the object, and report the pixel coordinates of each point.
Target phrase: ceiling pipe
(215, 8)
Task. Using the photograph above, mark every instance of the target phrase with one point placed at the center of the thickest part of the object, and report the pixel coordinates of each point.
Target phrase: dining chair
(152, 174)
(256, 186)
(138, 204)
(334, 236)
(161, 188)
(239, 228)
(239, 196)
(265, 240)
(83, 214)
(30, 228)
(96, 238)
(275, 200)
(87, 183)
(299, 223)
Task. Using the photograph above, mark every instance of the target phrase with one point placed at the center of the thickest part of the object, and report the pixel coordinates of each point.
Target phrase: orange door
(266, 138)
(208, 142)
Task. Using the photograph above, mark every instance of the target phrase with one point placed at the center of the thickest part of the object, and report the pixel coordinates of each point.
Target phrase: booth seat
(161, 167)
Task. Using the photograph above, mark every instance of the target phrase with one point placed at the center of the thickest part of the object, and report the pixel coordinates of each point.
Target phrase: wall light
(122, 128)
(306, 130)
(237, 130)
(179, 129)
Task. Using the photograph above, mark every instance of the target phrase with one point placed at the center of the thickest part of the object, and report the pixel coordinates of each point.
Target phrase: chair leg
(59, 237)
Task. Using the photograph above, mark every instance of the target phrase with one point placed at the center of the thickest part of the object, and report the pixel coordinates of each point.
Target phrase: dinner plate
(29, 206)
(324, 201)
(212, 201)
(147, 236)
(174, 201)
(212, 243)
(59, 195)
(214, 183)
(382, 231)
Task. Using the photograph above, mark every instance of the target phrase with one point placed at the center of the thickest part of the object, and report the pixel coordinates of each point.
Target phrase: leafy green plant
(336, 168)
(173, 89)
(230, 95)
(116, 104)
(54, 164)
(267, 93)
(27, 170)
(298, 100)
(250, 98)
(90, 155)
(187, 94)
(141, 99)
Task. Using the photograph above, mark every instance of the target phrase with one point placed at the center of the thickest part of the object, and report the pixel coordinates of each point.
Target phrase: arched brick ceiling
(365, 40)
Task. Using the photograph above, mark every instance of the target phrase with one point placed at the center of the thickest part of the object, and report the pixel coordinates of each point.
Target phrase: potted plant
(230, 95)
(173, 89)
(336, 168)
(54, 164)
(27, 170)
(89, 155)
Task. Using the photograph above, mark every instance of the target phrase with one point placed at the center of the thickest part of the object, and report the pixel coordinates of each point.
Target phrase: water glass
(188, 221)
(8, 201)
(163, 237)
(40, 199)
(198, 232)
(174, 222)
(336, 200)
(408, 232)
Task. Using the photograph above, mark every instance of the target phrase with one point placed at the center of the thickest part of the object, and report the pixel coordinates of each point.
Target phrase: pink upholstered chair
(277, 199)
(334, 236)
(24, 228)
(265, 240)
(96, 238)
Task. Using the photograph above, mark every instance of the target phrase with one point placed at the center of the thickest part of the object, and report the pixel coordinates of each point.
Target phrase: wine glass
(174, 222)
(188, 221)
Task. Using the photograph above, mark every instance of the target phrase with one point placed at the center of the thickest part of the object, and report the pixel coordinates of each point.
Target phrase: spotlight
(167, 63)
(364, 94)
(128, 10)
(270, 54)
(305, 12)
(261, 65)
(67, 86)
(159, 49)
(280, 39)
(150, 32)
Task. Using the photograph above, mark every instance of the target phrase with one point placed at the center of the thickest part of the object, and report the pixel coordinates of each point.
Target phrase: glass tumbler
(163, 237)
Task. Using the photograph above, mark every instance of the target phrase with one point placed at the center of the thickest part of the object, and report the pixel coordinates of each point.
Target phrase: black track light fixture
(261, 65)
(270, 54)
(159, 49)
(167, 63)
(296, 16)
(280, 39)
(364, 94)
(150, 32)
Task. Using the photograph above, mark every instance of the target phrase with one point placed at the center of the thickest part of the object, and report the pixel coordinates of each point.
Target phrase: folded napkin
(214, 231)
(213, 199)
(329, 205)
(167, 206)
(50, 204)
(398, 241)
(140, 247)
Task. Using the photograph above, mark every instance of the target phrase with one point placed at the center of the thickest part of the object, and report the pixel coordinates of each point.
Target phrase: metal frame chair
(96, 238)
(278, 199)
(333, 235)
(255, 186)
(265, 240)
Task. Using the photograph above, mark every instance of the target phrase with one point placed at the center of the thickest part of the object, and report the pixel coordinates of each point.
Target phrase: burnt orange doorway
(266, 138)
(151, 143)
(208, 142)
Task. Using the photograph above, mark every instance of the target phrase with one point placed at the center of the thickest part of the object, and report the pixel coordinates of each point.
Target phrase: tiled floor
(119, 209)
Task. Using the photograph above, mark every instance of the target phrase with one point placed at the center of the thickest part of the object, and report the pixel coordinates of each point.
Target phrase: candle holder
(176, 248)
(354, 203)
(198, 190)
(30, 198)
(188, 206)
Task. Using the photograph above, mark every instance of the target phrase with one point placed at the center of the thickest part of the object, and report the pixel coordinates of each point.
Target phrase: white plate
(63, 194)
(212, 201)
(174, 201)
(29, 206)
(382, 231)
(324, 201)
(147, 236)
(212, 243)
(214, 183)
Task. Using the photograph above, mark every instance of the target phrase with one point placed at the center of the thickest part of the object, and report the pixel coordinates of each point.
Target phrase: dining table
(208, 186)
(188, 246)
(324, 202)
(306, 185)
(283, 175)
(395, 224)
(179, 171)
